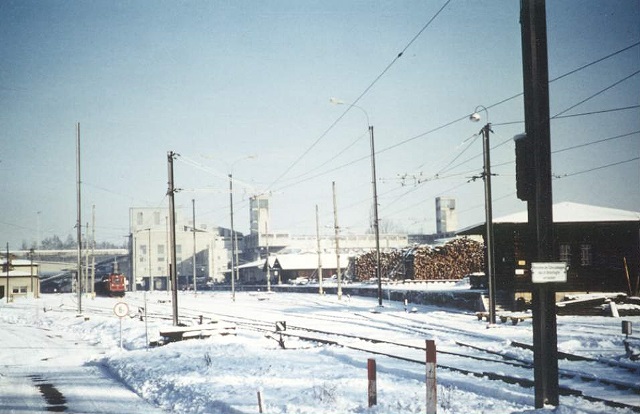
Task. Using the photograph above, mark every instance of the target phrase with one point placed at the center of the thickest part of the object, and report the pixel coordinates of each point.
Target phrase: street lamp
(376, 227)
(486, 176)
(234, 239)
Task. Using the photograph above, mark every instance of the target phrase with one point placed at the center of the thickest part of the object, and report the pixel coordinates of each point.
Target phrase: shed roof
(301, 261)
(567, 212)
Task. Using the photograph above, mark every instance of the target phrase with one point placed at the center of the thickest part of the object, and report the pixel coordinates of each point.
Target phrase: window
(19, 289)
(160, 250)
(143, 250)
(586, 255)
(565, 253)
(156, 218)
(140, 218)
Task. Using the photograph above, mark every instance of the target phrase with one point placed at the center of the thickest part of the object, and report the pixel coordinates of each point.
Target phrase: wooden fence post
(432, 391)
(260, 401)
(372, 389)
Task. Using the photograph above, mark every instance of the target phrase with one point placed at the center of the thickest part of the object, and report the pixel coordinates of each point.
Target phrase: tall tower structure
(446, 216)
(259, 214)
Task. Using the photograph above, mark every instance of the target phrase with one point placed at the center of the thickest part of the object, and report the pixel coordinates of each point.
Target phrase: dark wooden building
(600, 245)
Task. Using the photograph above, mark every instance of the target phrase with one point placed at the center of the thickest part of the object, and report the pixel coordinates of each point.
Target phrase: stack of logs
(451, 261)
(365, 265)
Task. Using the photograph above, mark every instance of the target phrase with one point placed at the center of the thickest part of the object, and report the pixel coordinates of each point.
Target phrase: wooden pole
(372, 390)
(320, 289)
(337, 229)
(626, 270)
(79, 221)
(259, 401)
(432, 391)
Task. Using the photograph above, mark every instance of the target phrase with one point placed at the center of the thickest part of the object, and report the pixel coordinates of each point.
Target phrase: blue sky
(220, 81)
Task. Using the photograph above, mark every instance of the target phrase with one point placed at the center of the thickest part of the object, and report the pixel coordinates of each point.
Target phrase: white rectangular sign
(549, 272)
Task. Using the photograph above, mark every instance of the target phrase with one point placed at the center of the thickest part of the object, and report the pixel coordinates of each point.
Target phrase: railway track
(458, 356)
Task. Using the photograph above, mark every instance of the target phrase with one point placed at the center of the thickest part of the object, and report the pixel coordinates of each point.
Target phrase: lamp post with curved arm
(376, 221)
(234, 239)
(486, 176)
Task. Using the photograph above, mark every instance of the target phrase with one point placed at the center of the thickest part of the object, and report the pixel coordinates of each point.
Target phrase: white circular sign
(121, 309)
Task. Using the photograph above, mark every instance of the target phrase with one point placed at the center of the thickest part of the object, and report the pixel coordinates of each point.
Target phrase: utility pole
(320, 290)
(337, 230)
(266, 237)
(491, 271)
(79, 220)
(6, 293)
(540, 209)
(85, 274)
(149, 260)
(93, 252)
(376, 221)
(193, 203)
(172, 245)
(233, 245)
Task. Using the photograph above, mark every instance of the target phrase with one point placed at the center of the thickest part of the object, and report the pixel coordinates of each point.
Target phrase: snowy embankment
(224, 374)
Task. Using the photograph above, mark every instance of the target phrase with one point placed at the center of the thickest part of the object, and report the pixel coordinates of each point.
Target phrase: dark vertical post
(172, 239)
(536, 100)
(8, 267)
(488, 208)
(376, 221)
(195, 287)
(432, 390)
(372, 390)
(78, 222)
(233, 245)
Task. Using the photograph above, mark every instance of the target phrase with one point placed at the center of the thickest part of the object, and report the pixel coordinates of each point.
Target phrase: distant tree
(70, 243)
(55, 243)
(52, 243)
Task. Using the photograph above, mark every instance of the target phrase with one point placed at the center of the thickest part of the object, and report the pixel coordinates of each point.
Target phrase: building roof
(301, 261)
(568, 212)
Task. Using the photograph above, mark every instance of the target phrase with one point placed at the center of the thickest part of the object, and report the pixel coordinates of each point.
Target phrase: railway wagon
(111, 285)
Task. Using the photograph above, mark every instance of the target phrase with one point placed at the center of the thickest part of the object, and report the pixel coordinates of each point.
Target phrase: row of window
(140, 218)
(586, 254)
(19, 290)
(159, 250)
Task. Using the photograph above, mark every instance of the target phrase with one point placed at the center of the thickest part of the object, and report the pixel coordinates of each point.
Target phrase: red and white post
(373, 388)
(432, 391)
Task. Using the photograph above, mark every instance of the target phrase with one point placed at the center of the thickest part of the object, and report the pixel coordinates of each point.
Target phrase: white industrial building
(150, 254)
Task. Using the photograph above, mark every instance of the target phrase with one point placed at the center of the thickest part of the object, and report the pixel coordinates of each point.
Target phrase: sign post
(121, 310)
(545, 343)
(549, 272)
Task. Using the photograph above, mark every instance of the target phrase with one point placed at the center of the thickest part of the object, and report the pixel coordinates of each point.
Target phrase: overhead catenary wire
(366, 90)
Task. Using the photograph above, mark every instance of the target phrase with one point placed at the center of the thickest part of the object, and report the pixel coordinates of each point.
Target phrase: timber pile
(365, 264)
(454, 260)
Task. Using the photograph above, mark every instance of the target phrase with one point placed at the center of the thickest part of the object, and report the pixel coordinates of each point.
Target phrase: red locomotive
(111, 285)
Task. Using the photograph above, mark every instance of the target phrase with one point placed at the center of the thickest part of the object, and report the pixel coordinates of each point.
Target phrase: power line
(597, 168)
(602, 111)
(510, 98)
(594, 62)
(596, 94)
(596, 142)
(443, 126)
(366, 90)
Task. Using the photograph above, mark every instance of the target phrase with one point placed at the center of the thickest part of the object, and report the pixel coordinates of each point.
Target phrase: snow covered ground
(44, 341)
